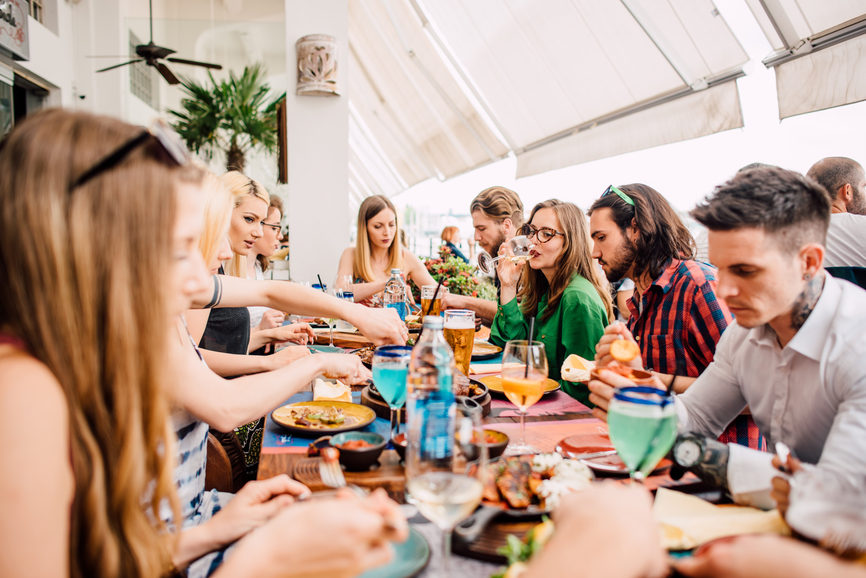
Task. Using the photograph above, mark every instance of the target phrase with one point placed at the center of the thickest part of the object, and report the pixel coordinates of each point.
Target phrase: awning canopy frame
(802, 47)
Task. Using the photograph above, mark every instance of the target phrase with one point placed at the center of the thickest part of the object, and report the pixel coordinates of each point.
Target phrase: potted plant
(234, 116)
(457, 275)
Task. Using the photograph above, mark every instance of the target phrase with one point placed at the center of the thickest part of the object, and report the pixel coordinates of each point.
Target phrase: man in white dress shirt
(845, 180)
(796, 352)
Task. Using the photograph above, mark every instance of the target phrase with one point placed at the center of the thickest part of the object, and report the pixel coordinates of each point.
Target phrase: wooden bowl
(399, 442)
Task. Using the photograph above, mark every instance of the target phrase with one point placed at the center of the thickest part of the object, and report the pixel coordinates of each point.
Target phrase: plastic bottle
(430, 402)
(395, 294)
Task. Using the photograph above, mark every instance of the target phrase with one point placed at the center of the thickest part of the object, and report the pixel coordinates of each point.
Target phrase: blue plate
(326, 349)
(410, 557)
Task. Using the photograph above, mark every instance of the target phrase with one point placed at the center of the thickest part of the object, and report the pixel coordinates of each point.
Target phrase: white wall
(318, 149)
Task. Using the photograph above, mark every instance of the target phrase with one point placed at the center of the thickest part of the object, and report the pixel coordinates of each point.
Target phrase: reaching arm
(483, 308)
(227, 404)
(381, 326)
(361, 290)
(231, 365)
(36, 481)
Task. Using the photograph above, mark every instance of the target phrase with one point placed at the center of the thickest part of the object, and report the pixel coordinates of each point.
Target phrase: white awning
(406, 101)
(820, 51)
(546, 69)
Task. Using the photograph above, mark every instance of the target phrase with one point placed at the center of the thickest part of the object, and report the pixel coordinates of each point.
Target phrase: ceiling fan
(151, 54)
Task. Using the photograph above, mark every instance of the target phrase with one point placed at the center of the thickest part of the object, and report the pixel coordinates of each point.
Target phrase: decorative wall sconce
(317, 65)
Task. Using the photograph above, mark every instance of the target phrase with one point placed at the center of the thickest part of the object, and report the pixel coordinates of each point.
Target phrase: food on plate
(323, 390)
(313, 416)
(519, 552)
(638, 376)
(413, 319)
(534, 480)
(576, 369)
(319, 321)
(413, 326)
(624, 350)
(366, 355)
(461, 386)
(355, 445)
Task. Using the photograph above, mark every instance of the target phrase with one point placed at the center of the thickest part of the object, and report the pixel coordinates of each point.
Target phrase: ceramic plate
(410, 558)
(582, 444)
(494, 384)
(360, 416)
(482, 350)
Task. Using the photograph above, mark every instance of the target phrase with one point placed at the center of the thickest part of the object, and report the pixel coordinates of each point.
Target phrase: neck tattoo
(806, 301)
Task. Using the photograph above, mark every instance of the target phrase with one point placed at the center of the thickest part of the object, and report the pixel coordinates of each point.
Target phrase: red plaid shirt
(678, 325)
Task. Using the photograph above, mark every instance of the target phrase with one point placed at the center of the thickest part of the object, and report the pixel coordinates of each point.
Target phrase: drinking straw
(435, 293)
(531, 335)
(322, 285)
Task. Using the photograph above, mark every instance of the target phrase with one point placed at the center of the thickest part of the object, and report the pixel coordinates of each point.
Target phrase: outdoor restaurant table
(552, 419)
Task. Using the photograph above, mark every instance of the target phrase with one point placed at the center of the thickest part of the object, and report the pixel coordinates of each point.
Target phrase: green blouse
(575, 327)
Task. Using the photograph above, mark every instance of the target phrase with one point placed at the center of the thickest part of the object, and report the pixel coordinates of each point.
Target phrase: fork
(330, 470)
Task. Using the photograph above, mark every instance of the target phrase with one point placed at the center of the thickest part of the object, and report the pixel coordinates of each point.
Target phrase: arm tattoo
(217, 292)
(806, 301)
(713, 467)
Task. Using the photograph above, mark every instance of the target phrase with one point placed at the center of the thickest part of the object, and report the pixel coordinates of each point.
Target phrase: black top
(456, 252)
(227, 330)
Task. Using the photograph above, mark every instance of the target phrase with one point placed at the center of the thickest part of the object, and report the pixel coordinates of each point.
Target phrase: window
(143, 80)
(36, 9)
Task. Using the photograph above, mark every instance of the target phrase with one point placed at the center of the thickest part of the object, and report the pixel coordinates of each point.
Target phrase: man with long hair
(794, 354)
(497, 215)
(674, 315)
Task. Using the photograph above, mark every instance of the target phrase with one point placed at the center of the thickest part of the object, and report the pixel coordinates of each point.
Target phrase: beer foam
(460, 323)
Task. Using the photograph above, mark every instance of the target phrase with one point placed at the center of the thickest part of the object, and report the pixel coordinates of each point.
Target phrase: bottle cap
(433, 322)
(395, 271)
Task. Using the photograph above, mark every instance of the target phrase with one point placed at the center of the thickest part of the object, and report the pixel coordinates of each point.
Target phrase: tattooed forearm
(217, 292)
(806, 301)
(713, 467)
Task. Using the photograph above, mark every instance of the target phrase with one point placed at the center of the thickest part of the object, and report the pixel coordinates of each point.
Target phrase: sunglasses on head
(619, 193)
(169, 140)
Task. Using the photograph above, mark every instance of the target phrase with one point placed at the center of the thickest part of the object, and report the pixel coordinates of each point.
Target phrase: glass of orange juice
(524, 374)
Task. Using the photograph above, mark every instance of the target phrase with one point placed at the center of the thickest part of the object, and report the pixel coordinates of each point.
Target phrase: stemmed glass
(344, 284)
(520, 248)
(523, 385)
(390, 367)
(643, 427)
(447, 491)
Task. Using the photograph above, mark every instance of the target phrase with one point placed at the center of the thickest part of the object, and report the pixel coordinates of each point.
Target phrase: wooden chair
(218, 475)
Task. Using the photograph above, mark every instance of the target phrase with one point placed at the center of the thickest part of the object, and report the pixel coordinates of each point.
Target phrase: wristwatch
(688, 450)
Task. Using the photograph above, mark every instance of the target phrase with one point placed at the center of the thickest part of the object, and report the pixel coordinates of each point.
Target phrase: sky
(683, 172)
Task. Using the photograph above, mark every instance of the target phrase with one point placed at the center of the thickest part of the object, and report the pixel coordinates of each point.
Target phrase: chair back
(856, 275)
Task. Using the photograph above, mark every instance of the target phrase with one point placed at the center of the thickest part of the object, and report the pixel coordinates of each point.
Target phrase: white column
(318, 148)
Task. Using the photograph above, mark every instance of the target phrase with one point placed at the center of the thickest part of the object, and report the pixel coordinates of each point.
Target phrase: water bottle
(395, 294)
(430, 402)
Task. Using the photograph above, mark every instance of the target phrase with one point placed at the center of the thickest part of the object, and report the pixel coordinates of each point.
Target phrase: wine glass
(642, 425)
(390, 367)
(523, 385)
(332, 321)
(520, 248)
(344, 285)
(447, 491)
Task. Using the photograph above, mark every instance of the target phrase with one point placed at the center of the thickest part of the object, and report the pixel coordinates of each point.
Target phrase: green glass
(643, 427)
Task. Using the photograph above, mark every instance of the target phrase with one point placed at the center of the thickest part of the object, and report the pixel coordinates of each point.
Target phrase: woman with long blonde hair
(561, 287)
(378, 250)
(83, 351)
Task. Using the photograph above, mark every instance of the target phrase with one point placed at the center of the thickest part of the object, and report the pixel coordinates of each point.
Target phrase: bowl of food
(496, 442)
(358, 450)
(399, 442)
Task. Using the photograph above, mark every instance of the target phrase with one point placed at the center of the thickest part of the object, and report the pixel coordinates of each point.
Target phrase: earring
(807, 276)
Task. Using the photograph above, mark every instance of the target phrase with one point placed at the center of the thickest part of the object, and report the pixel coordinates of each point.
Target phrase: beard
(622, 259)
(494, 250)
(858, 203)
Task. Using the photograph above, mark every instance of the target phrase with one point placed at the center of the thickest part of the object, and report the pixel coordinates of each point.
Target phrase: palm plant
(232, 115)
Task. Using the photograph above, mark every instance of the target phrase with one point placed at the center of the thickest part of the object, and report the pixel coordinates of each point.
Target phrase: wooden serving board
(347, 340)
(384, 411)
(493, 537)
(389, 475)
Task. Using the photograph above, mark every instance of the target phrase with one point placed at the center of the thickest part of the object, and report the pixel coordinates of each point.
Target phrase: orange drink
(523, 392)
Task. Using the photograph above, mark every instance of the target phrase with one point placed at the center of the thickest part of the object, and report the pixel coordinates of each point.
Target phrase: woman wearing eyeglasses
(559, 285)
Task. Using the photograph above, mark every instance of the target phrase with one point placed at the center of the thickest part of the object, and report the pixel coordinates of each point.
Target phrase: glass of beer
(523, 384)
(460, 335)
(427, 292)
